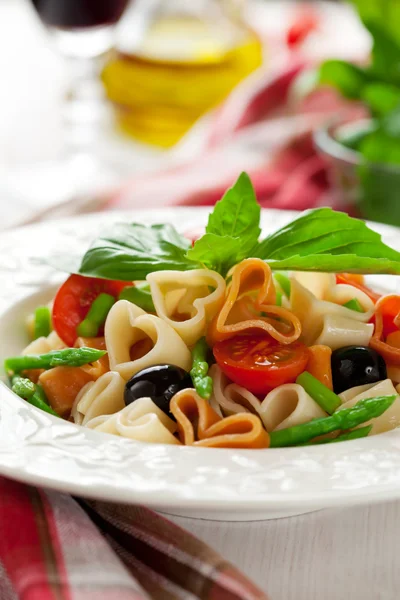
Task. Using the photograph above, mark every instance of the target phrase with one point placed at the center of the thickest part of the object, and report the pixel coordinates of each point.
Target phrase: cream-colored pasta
(142, 421)
(390, 419)
(324, 287)
(45, 344)
(288, 405)
(338, 332)
(126, 326)
(285, 406)
(102, 397)
(317, 283)
(229, 398)
(313, 313)
(184, 300)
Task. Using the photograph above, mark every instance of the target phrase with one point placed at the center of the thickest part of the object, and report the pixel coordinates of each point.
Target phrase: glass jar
(174, 61)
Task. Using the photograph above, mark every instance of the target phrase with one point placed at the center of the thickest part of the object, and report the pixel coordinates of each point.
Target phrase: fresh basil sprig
(318, 240)
(129, 252)
(233, 229)
(329, 241)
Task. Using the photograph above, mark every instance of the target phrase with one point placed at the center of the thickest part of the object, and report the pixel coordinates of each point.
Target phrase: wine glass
(83, 32)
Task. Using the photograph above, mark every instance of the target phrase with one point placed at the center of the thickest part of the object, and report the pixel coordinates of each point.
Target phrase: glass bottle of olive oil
(175, 60)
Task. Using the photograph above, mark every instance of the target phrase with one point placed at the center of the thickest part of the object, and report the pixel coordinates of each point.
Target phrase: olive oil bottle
(174, 61)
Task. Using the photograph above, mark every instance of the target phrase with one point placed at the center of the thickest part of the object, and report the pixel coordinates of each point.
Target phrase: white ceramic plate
(198, 482)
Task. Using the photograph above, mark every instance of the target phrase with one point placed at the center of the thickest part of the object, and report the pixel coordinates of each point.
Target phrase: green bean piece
(23, 387)
(37, 400)
(42, 322)
(322, 395)
(354, 304)
(284, 283)
(34, 394)
(140, 295)
(279, 298)
(68, 357)
(40, 394)
(347, 418)
(202, 382)
(354, 434)
(96, 316)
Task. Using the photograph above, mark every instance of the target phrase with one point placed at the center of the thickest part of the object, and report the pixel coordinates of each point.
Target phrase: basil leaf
(344, 263)
(381, 97)
(346, 77)
(129, 252)
(325, 240)
(385, 13)
(216, 252)
(237, 215)
(385, 52)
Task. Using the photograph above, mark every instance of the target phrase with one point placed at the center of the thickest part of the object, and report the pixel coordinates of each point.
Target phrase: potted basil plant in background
(365, 154)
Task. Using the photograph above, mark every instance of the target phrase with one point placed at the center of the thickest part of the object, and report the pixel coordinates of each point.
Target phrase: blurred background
(109, 104)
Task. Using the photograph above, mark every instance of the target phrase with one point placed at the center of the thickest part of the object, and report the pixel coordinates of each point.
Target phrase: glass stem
(84, 107)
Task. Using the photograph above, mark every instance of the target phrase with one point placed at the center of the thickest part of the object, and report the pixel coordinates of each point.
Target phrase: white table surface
(328, 555)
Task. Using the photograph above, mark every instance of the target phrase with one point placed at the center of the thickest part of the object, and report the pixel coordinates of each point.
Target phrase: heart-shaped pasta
(103, 397)
(184, 301)
(142, 421)
(324, 287)
(390, 419)
(229, 398)
(285, 406)
(250, 304)
(44, 344)
(326, 323)
(136, 340)
(200, 425)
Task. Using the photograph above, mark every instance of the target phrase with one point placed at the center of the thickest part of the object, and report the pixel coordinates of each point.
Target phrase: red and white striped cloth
(55, 548)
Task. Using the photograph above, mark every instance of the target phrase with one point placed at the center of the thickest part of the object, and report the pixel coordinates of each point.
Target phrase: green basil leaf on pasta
(130, 252)
(216, 252)
(237, 215)
(325, 240)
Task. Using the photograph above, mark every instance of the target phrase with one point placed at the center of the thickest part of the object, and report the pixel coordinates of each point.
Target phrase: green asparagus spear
(202, 382)
(140, 295)
(322, 395)
(42, 322)
(354, 434)
(32, 393)
(96, 316)
(347, 418)
(68, 357)
(23, 387)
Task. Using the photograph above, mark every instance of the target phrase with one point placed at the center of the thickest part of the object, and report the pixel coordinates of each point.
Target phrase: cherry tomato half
(74, 299)
(259, 363)
(354, 280)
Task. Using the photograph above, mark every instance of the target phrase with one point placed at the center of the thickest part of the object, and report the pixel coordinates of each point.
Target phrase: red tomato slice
(259, 363)
(74, 299)
(350, 279)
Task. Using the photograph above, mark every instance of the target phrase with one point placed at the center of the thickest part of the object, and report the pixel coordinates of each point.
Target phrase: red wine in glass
(79, 14)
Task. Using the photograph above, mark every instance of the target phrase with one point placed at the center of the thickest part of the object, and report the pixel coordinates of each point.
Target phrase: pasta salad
(225, 340)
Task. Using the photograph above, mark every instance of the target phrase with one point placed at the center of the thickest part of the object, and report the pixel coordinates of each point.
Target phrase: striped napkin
(55, 548)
